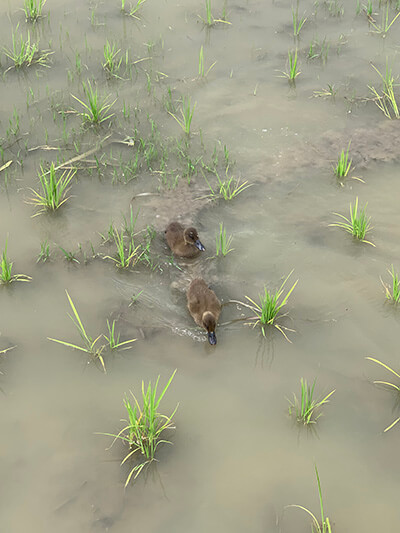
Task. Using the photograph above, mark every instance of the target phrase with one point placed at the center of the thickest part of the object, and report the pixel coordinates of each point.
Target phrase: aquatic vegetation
(33, 9)
(291, 71)
(392, 386)
(227, 189)
(145, 426)
(298, 23)
(126, 256)
(334, 7)
(271, 303)
(113, 342)
(318, 526)
(358, 224)
(54, 189)
(202, 72)
(24, 53)
(386, 101)
(6, 265)
(343, 165)
(318, 50)
(112, 62)
(69, 256)
(393, 292)
(44, 254)
(222, 242)
(385, 24)
(209, 20)
(133, 8)
(305, 407)
(96, 109)
(187, 114)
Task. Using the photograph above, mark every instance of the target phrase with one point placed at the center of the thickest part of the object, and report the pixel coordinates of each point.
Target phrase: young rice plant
(391, 386)
(357, 225)
(306, 407)
(393, 292)
(54, 189)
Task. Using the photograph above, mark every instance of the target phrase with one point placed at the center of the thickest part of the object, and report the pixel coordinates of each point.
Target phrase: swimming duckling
(204, 307)
(183, 242)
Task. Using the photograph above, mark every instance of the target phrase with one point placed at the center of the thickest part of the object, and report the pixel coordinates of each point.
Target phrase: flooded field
(184, 105)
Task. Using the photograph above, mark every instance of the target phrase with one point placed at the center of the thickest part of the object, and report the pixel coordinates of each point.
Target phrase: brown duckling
(204, 307)
(184, 242)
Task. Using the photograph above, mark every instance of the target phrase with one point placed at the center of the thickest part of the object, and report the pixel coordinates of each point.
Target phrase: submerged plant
(291, 71)
(54, 189)
(209, 20)
(95, 109)
(306, 407)
(133, 9)
(44, 254)
(222, 242)
(358, 224)
(391, 386)
(343, 165)
(113, 339)
(298, 23)
(271, 303)
(33, 9)
(145, 426)
(386, 101)
(318, 526)
(6, 265)
(393, 292)
(187, 115)
(202, 72)
(385, 24)
(112, 62)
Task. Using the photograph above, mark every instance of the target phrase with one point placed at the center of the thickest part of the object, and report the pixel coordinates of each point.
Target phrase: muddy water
(238, 460)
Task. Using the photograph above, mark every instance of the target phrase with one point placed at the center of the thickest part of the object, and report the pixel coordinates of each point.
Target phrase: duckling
(183, 242)
(204, 307)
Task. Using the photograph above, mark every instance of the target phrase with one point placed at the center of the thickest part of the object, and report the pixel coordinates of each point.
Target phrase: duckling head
(191, 236)
(210, 324)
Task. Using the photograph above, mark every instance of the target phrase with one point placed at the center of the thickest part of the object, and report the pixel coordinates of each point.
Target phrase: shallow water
(237, 458)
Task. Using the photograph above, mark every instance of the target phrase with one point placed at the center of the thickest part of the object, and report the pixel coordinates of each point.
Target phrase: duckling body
(184, 242)
(204, 307)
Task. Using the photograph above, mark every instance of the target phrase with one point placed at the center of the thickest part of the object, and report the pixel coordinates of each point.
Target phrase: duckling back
(204, 307)
(183, 242)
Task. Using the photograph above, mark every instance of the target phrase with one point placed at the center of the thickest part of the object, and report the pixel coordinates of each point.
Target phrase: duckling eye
(191, 235)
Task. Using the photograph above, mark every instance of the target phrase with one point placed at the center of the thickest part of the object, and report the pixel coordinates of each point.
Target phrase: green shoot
(227, 189)
(133, 9)
(210, 20)
(222, 242)
(271, 303)
(393, 293)
(145, 425)
(44, 254)
(306, 407)
(385, 25)
(318, 526)
(112, 62)
(291, 71)
(54, 189)
(187, 115)
(386, 101)
(343, 165)
(297, 23)
(113, 340)
(125, 257)
(89, 345)
(95, 110)
(69, 256)
(202, 72)
(6, 265)
(24, 53)
(391, 386)
(33, 9)
(357, 225)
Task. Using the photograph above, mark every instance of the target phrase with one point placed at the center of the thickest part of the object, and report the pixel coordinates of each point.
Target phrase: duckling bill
(183, 242)
(204, 307)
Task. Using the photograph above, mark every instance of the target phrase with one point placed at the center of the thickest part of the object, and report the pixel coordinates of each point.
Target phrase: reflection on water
(237, 459)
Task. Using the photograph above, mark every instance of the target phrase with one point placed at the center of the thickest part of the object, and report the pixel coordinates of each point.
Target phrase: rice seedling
(113, 342)
(386, 101)
(90, 346)
(13, 128)
(267, 312)
(343, 165)
(187, 115)
(306, 407)
(129, 224)
(319, 50)
(33, 9)
(393, 292)
(133, 9)
(95, 109)
(145, 426)
(6, 265)
(112, 62)
(291, 71)
(55, 188)
(24, 53)
(222, 242)
(69, 256)
(209, 20)
(298, 23)
(358, 224)
(202, 72)
(318, 526)
(334, 7)
(227, 189)
(385, 24)
(126, 256)
(44, 254)
(329, 92)
(392, 386)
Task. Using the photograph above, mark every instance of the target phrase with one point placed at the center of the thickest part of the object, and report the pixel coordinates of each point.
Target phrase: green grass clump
(202, 72)
(44, 254)
(54, 189)
(222, 242)
(343, 165)
(358, 224)
(385, 24)
(126, 256)
(187, 115)
(145, 426)
(113, 341)
(298, 23)
(33, 9)
(393, 292)
(392, 386)
(227, 189)
(6, 265)
(305, 407)
(318, 526)
(386, 101)
(25, 53)
(96, 110)
(112, 61)
(209, 20)
(271, 303)
(133, 8)
(291, 71)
